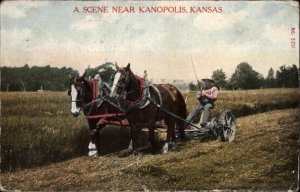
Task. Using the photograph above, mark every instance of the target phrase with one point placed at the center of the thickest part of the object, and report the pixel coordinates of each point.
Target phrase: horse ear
(128, 66)
(82, 76)
(117, 66)
(70, 77)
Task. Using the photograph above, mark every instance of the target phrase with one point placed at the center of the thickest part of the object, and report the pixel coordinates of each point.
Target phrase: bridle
(125, 82)
(75, 83)
(87, 108)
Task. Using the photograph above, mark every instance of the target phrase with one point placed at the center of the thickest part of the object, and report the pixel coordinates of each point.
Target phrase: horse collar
(159, 95)
(142, 101)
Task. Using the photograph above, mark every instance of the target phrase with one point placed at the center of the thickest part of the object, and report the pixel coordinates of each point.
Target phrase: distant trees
(192, 86)
(105, 71)
(180, 84)
(33, 78)
(55, 79)
(287, 76)
(245, 77)
(220, 78)
(270, 79)
(49, 78)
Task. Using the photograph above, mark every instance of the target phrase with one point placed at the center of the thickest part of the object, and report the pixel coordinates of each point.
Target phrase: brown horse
(81, 92)
(142, 110)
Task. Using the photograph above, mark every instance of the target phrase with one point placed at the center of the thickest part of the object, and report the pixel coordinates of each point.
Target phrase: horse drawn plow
(134, 102)
(222, 127)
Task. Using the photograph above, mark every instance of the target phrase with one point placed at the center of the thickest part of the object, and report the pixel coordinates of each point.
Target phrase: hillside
(263, 156)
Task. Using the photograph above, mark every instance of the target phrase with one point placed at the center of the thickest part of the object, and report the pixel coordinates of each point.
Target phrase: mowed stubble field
(38, 129)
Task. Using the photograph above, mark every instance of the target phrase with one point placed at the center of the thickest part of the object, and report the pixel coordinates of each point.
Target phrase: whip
(195, 71)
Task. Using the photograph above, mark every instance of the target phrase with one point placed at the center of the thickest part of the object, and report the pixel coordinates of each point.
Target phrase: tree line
(49, 78)
(55, 79)
(35, 78)
(245, 77)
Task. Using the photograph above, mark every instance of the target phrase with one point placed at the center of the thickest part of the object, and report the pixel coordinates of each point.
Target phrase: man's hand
(199, 94)
(203, 99)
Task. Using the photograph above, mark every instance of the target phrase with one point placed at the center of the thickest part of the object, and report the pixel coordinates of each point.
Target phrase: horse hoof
(164, 151)
(130, 147)
(92, 150)
(165, 148)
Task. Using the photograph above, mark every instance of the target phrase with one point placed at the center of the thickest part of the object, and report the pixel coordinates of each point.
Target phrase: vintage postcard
(149, 95)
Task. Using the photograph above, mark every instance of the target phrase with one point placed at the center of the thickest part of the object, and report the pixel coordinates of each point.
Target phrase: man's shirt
(211, 93)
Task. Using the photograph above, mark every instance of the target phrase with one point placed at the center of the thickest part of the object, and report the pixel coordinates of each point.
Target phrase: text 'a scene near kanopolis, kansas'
(148, 9)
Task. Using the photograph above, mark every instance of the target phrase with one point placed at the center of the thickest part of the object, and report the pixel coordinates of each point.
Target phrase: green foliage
(287, 76)
(219, 77)
(105, 71)
(270, 81)
(192, 86)
(48, 78)
(33, 78)
(245, 77)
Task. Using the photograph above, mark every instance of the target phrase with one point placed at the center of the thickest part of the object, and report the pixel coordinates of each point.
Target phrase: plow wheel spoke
(227, 125)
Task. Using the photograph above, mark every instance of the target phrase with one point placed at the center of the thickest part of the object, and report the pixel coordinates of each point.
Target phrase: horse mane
(88, 83)
(133, 76)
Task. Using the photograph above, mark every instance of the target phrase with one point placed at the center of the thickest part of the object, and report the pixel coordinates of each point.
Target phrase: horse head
(121, 80)
(77, 91)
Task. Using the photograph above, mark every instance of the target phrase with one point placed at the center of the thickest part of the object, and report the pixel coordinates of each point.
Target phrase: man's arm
(211, 93)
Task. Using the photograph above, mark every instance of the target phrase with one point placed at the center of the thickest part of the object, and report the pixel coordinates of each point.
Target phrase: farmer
(206, 96)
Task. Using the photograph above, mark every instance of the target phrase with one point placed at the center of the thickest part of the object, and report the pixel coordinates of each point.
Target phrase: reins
(96, 97)
(142, 87)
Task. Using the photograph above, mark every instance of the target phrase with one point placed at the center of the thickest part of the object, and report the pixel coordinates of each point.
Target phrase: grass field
(263, 157)
(248, 102)
(38, 129)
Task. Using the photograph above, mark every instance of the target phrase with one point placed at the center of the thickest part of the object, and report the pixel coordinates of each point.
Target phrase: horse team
(140, 102)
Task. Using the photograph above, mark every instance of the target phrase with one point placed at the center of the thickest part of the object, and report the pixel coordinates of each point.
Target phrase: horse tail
(181, 112)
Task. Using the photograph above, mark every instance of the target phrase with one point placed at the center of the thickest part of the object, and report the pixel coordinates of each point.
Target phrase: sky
(166, 44)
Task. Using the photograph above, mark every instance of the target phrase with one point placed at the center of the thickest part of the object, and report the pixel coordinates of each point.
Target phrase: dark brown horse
(142, 110)
(81, 92)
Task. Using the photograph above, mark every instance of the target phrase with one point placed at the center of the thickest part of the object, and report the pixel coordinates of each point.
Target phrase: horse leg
(134, 137)
(180, 126)
(171, 137)
(151, 136)
(95, 137)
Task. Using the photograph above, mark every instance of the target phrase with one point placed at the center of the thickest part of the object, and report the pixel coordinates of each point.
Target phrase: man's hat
(208, 80)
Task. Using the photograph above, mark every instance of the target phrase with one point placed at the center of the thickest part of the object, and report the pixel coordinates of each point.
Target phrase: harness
(98, 99)
(141, 102)
(145, 97)
(159, 95)
(123, 105)
(95, 88)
